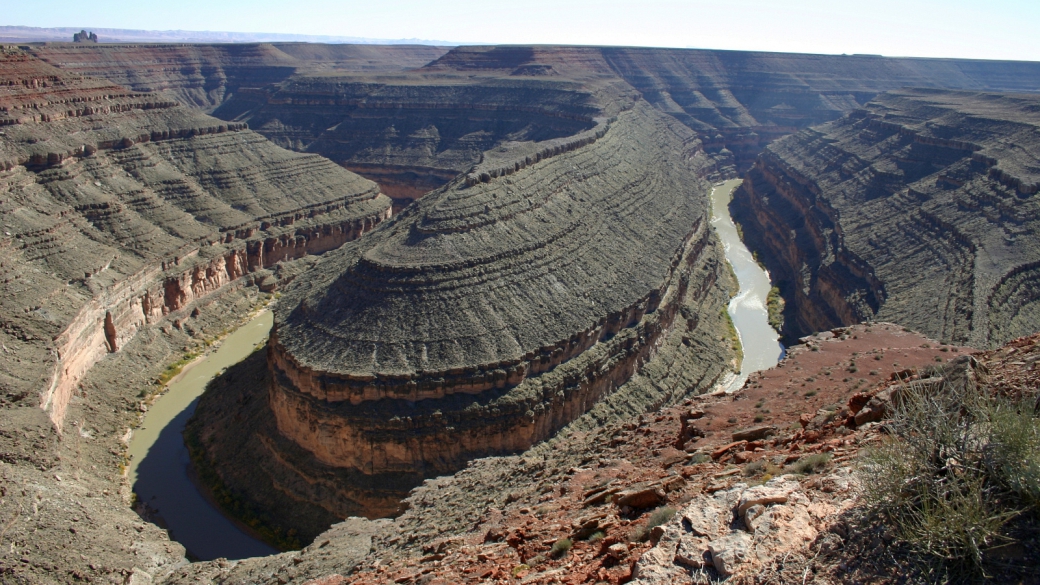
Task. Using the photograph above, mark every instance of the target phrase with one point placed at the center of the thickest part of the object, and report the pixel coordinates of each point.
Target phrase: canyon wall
(120, 207)
(921, 208)
(413, 117)
(204, 76)
(413, 133)
(483, 319)
(480, 321)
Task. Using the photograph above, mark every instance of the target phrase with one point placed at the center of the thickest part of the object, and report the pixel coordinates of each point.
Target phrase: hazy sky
(991, 29)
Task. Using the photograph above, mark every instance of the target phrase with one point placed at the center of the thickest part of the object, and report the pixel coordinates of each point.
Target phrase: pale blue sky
(993, 29)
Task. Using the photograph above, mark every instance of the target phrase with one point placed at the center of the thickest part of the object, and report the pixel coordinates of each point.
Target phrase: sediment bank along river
(748, 309)
(160, 467)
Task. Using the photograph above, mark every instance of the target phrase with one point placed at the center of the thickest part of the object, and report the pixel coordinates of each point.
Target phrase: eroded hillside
(486, 318)
(411, 132)
(205, 76)
(920, 208)
(121, 207)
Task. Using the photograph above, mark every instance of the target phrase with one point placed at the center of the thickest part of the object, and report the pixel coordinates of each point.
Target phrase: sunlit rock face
(919, 208)
(495, 312)
(120, 208)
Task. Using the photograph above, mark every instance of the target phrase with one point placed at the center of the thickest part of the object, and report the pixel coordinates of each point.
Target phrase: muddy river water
(159, 464)
(748, 310)
(160, 467)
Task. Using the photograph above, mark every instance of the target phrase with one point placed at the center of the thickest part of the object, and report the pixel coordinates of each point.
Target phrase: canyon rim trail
(499, 305)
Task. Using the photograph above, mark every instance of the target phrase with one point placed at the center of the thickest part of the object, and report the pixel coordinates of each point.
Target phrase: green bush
(958, 466)
(660, 516)
(560, 547)
(810, 463)
(657, 518)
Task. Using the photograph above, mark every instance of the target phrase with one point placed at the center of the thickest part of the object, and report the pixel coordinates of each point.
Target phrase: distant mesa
(84, 37)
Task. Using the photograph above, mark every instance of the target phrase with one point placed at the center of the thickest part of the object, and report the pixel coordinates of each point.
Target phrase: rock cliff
(413, 132)
(204, 76)
(920, 208)
(489, 316)
(120, 208)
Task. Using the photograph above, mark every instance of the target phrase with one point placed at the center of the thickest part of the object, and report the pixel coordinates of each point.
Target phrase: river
(760, 342)
(159, 464)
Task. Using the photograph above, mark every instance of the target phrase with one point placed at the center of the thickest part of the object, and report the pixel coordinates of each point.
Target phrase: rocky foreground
(757, 487)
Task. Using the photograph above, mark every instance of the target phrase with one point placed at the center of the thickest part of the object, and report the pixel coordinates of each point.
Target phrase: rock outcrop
(763, 511)
(481, 321)
(917, 209)
(413, 132)
(205, 76)
(120, 208)
(494, 313)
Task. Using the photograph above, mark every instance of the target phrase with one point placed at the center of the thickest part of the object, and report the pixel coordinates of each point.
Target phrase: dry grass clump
(959, 465)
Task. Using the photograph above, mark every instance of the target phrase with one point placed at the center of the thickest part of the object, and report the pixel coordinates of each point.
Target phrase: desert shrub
(560, 547)
(1013, 451)
(657, 518)
(660, 516)
(597, 536)
(810, 463)
(958, 466)
(762, 467)
(699, 458)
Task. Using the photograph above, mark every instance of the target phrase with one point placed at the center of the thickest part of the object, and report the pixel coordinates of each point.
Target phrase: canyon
(422, 126)
(919, 208)
(543, 266)
(120, 208)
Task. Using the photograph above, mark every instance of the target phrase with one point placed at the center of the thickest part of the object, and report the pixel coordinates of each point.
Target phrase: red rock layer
(122, 207)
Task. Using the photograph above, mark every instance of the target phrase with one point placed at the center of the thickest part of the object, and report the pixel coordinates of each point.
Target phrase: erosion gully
(160, 469)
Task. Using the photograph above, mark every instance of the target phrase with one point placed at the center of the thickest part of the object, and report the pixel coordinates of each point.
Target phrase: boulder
(762, 495)
(646, 497)
(755, 433)
(692, 552)
(730, 551)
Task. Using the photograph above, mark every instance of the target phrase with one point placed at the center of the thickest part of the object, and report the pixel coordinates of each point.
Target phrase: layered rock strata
(494, 313)
(409, 131)
(203, 76)
(921, 208)
(413, 132)
(120, 208)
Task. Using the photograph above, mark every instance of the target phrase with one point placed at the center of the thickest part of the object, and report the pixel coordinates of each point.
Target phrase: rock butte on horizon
(563, 267)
